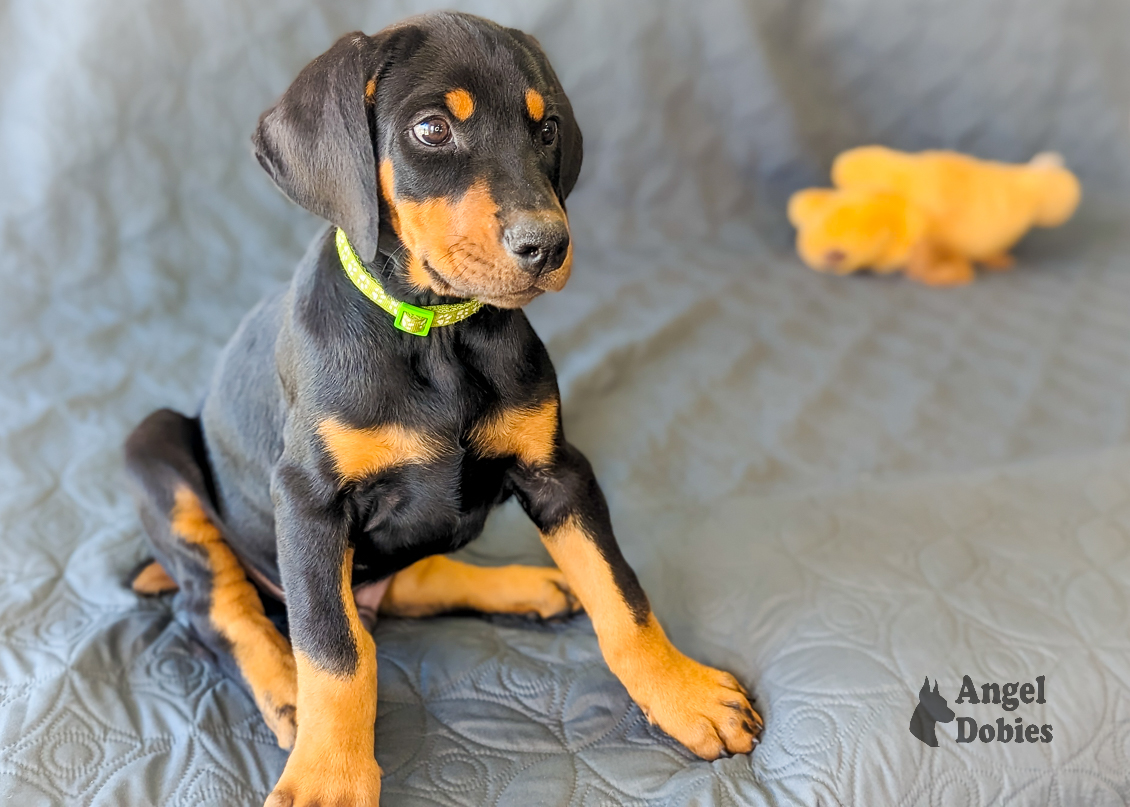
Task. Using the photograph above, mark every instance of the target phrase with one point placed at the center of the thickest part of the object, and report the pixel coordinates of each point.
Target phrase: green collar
(414, 319)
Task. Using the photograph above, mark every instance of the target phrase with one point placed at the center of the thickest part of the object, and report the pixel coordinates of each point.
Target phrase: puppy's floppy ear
(316, 144)
(568, 132)
(572, 144)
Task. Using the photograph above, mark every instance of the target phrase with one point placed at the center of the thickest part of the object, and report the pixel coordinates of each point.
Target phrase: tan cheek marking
(262, 654)
(388, 186)
(153, 580)
(333, 761)
(370, 90)
(420, 226)
(420, 217)
(461, 104)
(418, 276)
(527, 433)
(462, 239)
(358, 453)
(535, 104)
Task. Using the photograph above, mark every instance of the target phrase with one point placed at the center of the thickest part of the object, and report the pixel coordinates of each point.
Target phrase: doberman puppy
(363, 422)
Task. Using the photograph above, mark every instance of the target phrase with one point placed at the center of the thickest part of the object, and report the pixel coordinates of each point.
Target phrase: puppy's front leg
(705, 709)
(336, 659)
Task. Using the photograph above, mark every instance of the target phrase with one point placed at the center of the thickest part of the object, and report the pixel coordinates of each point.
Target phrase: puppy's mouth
(499, 297)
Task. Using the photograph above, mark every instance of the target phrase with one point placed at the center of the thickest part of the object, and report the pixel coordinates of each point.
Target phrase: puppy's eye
(549, 132)
(432, 131)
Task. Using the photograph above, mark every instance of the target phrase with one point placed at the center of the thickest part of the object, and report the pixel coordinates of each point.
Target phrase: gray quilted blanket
(833, 487)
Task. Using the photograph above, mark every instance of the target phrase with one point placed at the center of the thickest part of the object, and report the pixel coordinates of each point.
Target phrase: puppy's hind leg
(438, 584)
(166, 462)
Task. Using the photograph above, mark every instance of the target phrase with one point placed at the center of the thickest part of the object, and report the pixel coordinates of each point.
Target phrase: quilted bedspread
(833, 487)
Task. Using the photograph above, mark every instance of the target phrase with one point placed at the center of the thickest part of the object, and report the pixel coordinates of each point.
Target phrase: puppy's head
(445, 141)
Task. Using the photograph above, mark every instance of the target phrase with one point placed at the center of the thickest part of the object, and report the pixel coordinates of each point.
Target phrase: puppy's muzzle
(538, 244)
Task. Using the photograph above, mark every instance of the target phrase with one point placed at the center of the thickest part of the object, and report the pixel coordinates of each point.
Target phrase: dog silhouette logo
(932, 708)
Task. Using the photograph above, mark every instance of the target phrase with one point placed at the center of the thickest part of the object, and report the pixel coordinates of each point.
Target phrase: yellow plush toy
(931, 214)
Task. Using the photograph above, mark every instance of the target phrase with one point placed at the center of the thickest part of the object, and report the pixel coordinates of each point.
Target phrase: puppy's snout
(538, 245)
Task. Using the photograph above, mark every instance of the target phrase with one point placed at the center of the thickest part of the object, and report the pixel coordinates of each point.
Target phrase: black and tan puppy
(363, 423)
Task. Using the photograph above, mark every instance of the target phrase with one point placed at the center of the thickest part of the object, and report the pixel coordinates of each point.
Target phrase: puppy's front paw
(326, 782)
(705, 709)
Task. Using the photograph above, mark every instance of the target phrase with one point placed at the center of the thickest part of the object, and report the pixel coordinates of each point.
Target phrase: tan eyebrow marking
(535, 104)
(460, 103)
(370, 89)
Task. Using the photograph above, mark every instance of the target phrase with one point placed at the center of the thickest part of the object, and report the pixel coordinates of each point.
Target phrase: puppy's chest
(443, 449)
(432, 498)
(418, 491)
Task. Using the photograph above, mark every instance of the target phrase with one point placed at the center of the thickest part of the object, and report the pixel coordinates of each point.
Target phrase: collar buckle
(413, 319)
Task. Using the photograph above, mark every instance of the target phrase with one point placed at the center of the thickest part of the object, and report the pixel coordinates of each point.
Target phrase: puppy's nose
(539, 245)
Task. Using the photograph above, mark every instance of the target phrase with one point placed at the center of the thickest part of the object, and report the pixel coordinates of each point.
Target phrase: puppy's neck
(390, 268)
(331, 306)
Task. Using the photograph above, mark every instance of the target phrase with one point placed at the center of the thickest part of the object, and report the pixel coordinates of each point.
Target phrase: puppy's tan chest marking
(527, 432)
(358, 453)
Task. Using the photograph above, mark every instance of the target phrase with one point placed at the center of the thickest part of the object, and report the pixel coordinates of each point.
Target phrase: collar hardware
(413, 319)
(417, 320)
